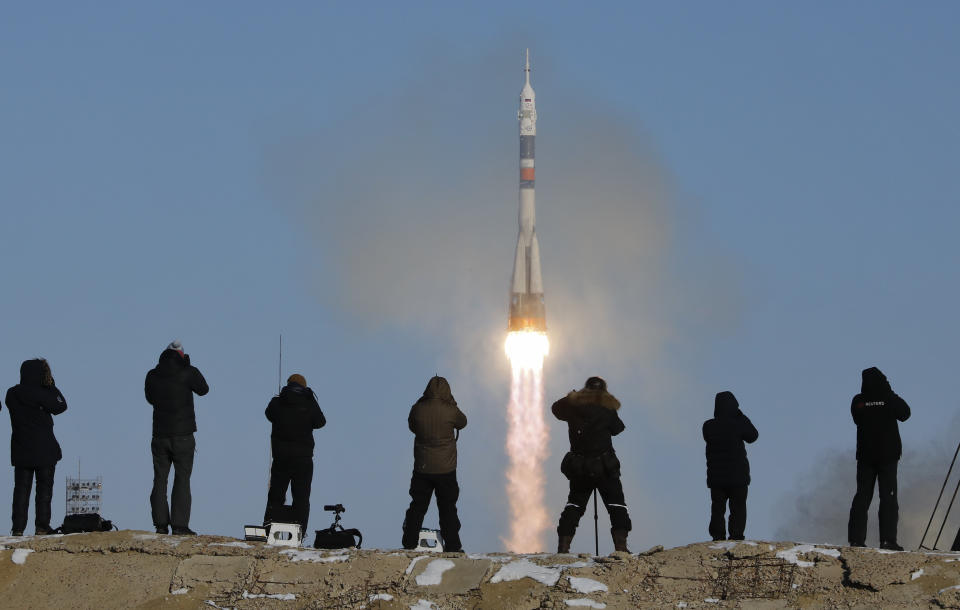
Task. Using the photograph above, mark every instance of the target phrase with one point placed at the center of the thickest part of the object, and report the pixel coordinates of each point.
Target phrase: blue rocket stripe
(527, 147)
(526, 184)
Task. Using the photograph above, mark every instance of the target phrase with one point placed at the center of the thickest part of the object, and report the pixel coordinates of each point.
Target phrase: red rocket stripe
(526, 173)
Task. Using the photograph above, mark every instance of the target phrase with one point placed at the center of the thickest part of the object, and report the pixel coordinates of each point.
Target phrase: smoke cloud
(819, 510)
(412, 202)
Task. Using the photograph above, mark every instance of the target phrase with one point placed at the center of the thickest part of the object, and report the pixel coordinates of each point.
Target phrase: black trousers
(736, 496)
(884, 473)
(176, 451)
(611, 492)
(422, 486)
(22, 482)
(297, 474)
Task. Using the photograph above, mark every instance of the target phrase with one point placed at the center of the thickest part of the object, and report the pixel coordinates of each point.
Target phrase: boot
(563, 546)
(620, 540)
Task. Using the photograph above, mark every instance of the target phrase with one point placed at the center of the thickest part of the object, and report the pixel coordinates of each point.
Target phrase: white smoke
(411, 202)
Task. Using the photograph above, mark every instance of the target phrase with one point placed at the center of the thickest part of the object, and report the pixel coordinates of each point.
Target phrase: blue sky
(758, 197)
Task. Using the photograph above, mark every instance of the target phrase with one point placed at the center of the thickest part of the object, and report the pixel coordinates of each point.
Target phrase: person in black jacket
(876, 410)
(294, 414)
(728, 471)
(34, 450)
(592, 464)
(170, 387)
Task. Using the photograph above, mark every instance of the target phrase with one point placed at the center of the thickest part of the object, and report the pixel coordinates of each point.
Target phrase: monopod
(596, 530)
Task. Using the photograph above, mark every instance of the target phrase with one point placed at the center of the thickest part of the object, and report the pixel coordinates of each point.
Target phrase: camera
(334, 508)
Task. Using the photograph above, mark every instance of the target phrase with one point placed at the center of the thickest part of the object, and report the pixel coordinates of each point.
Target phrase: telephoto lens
(334, 508)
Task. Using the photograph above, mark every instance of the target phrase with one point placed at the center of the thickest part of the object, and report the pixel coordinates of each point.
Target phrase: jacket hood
(589, 396)
(874, 382)
(31, 372)
(295, 388)
(170, 357)
(725, 405)
(438, 389)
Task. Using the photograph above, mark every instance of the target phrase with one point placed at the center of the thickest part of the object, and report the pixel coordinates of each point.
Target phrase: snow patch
(575, 564)
(145, 536)
(886, 551)
(181, 591)
(423, 605)
(287, 597)
(712, 600)
(791, 555)
(493, 558)
(312, 556)
(238, 544)
(381, 596)
(681, 604)
(948, 589)
(524, 568)
(413, 563)
(20, 556)
(584, 602)
(916, 574)
(586, 585)
(433, 573)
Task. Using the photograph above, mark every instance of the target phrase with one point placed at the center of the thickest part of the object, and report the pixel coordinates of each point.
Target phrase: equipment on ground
(255, 533)
(84, 502)
(335, 537)
(430, 541)
(284, 534)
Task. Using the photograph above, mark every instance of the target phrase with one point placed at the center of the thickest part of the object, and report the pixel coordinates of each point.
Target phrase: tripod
(956, 542)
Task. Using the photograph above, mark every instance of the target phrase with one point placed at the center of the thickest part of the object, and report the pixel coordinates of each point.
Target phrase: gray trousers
(177, 451)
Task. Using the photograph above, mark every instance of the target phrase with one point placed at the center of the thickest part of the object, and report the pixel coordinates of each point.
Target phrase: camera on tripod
(335, 537)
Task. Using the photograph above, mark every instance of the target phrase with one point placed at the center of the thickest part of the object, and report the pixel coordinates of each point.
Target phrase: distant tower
(84, 496)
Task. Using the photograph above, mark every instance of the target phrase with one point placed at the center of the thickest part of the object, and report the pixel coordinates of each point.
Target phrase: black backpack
(334, 538)
(87, 522)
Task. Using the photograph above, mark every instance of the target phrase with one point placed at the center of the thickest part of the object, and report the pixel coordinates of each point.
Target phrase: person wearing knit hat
(170, 387)
(294, 415)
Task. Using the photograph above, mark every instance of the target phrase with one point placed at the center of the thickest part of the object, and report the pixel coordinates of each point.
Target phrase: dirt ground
(131, 569)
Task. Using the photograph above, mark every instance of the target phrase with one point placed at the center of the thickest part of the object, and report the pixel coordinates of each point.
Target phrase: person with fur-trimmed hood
(728, 471)
(592, 464)
(169, 388)
(436, 420)
(876, 411)
(295, 414)
(34, 450)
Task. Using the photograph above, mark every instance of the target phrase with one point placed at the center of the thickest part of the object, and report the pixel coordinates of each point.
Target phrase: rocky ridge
(131, 569)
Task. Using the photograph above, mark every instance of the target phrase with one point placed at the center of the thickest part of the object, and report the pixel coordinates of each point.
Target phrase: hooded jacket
(592, 420)
(32, 406)
(876, 410)
(725, 435)
(434, 418)
(294, 414)
(170, 387)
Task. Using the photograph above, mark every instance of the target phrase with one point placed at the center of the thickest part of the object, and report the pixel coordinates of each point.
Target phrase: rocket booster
(527, 310)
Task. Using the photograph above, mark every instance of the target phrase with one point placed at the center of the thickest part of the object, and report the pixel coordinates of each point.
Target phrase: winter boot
(620, 540)
(890, 546)
(563, 546)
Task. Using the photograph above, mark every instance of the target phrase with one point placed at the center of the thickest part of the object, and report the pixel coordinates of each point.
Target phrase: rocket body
(527, 309)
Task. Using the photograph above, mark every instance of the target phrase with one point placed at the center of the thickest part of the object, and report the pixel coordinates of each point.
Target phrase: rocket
(527, 310)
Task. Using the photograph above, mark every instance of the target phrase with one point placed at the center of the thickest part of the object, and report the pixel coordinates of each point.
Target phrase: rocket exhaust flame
(526, 346)
(527, 442)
